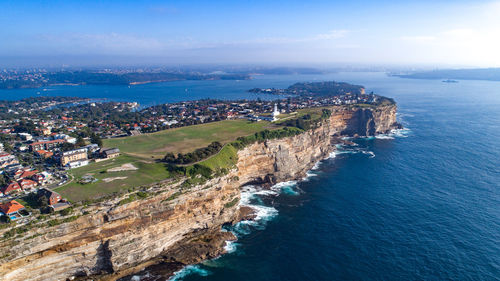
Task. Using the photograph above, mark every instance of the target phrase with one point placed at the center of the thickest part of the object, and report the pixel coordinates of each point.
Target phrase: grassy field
(315, 112)
(143, 151)
(226, 158)
(185, 139)
(146, 173)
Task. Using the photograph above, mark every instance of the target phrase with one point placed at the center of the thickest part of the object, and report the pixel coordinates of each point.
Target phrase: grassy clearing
(226, 158)
(185, 139)
(147, 173)
(315, 112)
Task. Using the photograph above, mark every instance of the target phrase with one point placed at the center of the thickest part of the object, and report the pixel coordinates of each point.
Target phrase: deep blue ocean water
(423, 205)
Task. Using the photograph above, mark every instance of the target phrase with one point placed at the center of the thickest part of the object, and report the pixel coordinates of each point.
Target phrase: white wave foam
(263, 214)
(316, 166)
(230, 247)
(394, 133)
(401, 133)
(188, 270)
(287, 187)
(384, 137)
(368, 153)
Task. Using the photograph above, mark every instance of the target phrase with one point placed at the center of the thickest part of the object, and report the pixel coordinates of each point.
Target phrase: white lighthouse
(276, 112)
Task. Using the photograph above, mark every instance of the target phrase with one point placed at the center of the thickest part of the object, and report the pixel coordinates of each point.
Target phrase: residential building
(52, 196)
(42, 178)
(27, 184)
(44, 153)
(11, 209)
(91, 148)
(25, 173)
(25, 136)
(11, 188)
(73, 155)
(7, 159)
(78, 163)
(111, 152)
(46, 145)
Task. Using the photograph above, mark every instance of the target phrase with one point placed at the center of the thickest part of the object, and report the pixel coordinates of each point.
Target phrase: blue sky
(435, 33)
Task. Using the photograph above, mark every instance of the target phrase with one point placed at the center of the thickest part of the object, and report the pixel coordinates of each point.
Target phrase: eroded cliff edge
(179, 225)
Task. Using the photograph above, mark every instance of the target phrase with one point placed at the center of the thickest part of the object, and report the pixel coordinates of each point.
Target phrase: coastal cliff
(178, 224)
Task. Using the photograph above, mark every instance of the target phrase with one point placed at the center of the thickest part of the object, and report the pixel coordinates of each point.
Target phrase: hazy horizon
(317, 33)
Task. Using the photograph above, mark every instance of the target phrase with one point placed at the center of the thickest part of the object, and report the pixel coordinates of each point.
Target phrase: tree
(94, 138)
(42, 201)
(67, 146)
(80, 141)
(3, 180)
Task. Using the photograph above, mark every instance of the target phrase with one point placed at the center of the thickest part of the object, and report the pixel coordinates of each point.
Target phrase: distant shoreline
(79, 78)
(483, 74)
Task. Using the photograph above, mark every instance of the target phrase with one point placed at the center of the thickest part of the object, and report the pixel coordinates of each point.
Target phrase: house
(11, 209)
(60, 206)
(52, 196)
(27, 184)
(11, 169)
(65, 137)
(26, 174)
(72, 156)
(110, 152)
(44, 153)
(42, 178)
(11, 188)
(91, 148)
(7, 159)
(46, 131)
(25, 136)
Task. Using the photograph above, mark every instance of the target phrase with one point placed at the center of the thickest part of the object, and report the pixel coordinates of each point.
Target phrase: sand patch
(114, 178)
(124, 167)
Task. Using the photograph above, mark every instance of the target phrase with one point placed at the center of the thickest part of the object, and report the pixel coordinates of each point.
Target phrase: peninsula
(162, 195)
(36, 78)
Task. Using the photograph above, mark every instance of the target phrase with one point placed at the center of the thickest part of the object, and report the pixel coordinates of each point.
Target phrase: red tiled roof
(11, 207)
(13, 186)
(24, 183)
(51, 141)
(27, 174)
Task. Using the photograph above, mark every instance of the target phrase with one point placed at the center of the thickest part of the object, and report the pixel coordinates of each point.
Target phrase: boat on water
(450, 81)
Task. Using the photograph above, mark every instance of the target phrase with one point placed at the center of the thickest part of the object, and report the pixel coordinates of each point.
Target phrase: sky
(419, 33)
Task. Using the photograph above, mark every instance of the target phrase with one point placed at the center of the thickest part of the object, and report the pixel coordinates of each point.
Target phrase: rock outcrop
(180, 225)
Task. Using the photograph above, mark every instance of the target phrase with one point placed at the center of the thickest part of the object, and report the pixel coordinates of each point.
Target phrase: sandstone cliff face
(290, 158)
(113, 238)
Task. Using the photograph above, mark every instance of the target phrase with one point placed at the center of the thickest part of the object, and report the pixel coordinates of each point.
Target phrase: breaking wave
(395, 133)
(189, 270)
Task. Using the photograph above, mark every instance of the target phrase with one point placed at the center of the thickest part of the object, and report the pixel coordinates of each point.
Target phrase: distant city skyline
(418, 33)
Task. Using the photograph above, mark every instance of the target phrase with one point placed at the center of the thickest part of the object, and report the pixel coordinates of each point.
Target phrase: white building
(25, 136)
(276, 112)
(76, 164)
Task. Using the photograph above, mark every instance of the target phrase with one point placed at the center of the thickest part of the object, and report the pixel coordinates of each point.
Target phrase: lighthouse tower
(276, 112)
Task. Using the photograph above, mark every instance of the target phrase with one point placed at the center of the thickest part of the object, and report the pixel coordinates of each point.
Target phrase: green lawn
(185, 139)
(143, 151)
(226, 158)
(147, 173)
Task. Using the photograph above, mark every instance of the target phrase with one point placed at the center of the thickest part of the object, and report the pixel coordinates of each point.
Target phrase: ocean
(420, 204)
